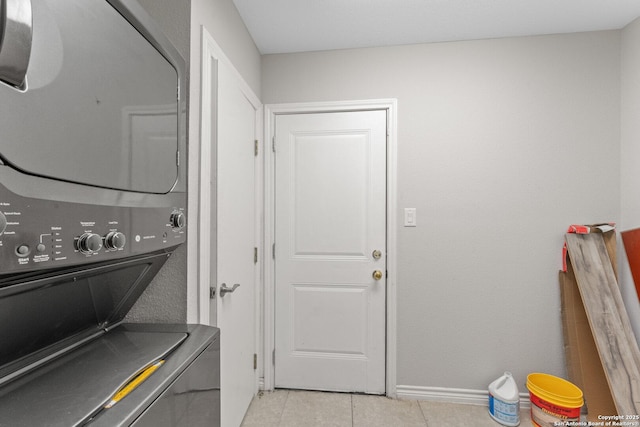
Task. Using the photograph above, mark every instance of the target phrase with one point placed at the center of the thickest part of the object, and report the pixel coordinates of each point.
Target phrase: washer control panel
(40, 234)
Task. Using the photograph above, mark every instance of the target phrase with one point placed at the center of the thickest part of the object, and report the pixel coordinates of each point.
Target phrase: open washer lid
(50, 313)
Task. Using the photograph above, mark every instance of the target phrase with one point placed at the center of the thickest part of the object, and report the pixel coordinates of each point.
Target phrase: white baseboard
(443, 394)
(451, 395)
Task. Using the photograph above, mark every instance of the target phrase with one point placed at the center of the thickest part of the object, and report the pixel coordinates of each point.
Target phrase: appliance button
(23, 250)
(115, 240)
(178, 220)
(41, 247)
(89, 243)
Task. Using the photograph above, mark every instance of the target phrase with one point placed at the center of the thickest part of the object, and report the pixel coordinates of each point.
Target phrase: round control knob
(178, 220)
(89, 243)
(115, 240)
(3, 223)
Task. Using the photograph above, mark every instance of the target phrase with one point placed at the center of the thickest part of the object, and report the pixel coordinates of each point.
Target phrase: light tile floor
(293, 408)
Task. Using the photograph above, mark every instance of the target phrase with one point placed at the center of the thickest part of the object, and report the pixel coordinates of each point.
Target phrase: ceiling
(283, 26)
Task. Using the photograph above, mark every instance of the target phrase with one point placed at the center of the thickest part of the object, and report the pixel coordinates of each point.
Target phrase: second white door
(235, 243)
(330, 251)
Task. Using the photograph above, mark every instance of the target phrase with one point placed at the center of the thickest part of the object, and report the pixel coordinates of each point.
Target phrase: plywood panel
(608, 319)
(583, 362)
(610, 243)
(631, 241)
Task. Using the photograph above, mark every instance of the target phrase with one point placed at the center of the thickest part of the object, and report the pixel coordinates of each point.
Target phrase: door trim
(268, 304)
(211, 54)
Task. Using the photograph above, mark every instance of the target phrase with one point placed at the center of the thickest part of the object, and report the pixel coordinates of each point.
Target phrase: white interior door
(330, 238)
(236, 209)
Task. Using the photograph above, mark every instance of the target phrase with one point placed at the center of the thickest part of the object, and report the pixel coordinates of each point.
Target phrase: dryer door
(99, 105)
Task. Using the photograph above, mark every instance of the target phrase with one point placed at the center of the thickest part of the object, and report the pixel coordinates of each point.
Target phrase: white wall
(501, 145)
(223, 22)
(630, 158)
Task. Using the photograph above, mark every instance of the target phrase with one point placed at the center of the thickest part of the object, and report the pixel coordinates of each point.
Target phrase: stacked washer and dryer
(92, 204)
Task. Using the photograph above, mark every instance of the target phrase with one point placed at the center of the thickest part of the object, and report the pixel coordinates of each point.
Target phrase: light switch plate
(410, 219)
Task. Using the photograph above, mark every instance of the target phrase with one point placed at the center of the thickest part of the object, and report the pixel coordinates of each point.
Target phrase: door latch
(224, 290)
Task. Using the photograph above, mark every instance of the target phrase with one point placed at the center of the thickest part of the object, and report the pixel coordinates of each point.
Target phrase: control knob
(89, 243)
(178, 220)
(115, 240)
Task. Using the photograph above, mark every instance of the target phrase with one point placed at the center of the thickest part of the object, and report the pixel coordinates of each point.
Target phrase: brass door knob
(377, 274)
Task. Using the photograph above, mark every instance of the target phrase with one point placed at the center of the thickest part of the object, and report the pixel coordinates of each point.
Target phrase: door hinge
(273, 357)
(255, 361)
(273, 144)
(255, 147)
(255, 255)
(178, 158)
(273, 251)
(212, 292)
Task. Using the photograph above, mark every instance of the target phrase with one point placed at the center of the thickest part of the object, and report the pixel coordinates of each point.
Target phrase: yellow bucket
(553, 399)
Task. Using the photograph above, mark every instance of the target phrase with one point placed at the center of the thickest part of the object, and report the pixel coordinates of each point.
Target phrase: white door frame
(270, 113)
(211, 54)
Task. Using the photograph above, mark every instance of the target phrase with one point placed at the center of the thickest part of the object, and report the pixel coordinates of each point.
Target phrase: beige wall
(501, 145)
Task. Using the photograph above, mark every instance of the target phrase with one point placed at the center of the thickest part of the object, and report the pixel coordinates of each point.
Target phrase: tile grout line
(351, 399)
(283, 406)
(424, 417)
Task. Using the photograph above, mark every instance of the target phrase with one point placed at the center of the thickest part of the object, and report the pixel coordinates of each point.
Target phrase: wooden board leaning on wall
(608, 319)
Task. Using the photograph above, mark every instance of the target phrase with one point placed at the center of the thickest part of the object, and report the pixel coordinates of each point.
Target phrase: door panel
(323, 218)
(346, 305)
(330, 217)
(235, 243)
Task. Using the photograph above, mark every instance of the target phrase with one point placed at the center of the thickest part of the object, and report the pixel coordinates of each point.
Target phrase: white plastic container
(504, 400)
